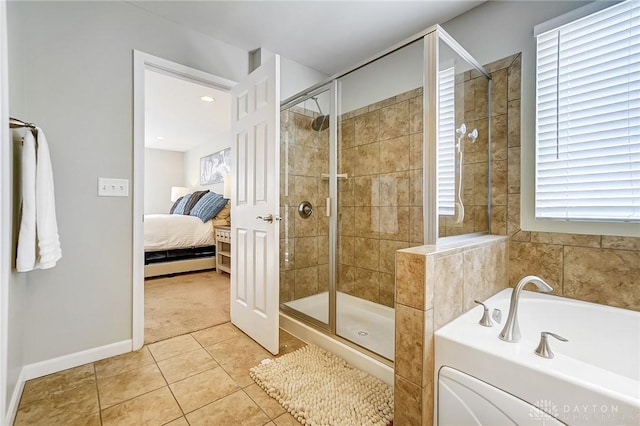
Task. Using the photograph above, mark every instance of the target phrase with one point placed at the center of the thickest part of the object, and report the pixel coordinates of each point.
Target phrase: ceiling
(176, 119)
(329, 36)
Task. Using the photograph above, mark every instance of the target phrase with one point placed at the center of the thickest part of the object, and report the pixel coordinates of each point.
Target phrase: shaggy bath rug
(320, 388)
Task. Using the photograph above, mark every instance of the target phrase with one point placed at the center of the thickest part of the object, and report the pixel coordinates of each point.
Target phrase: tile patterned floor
(200, 378)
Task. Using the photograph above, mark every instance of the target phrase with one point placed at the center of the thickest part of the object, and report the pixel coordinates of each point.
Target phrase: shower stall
(389, 155)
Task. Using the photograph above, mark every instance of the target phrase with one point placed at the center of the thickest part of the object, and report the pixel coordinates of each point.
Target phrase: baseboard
(42, 368)
(12, 408)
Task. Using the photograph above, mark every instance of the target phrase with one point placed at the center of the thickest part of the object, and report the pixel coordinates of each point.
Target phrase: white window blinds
(446, 142)
(588, 118)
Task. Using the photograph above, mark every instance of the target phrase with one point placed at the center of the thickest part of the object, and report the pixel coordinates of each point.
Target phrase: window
(446, 142)
(588, 118)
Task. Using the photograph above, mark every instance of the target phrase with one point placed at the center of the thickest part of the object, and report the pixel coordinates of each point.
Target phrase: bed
(179, 242)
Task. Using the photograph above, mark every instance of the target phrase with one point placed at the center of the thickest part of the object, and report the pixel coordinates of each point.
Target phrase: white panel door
(255, 204)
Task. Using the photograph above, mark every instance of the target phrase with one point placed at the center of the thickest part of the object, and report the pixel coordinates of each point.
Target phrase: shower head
(461, 130)
(473, 135)
(322, 121)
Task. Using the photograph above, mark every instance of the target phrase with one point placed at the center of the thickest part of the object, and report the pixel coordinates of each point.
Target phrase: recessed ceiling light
(161, 138)
(207, 99)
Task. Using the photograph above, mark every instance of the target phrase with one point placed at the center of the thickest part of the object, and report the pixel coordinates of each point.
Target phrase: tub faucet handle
(543, 349)
(486, 318)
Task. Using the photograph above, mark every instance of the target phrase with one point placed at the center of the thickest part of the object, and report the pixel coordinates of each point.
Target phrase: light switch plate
(111, 187)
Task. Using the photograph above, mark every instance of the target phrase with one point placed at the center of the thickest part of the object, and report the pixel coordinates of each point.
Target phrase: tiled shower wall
(471, 108)
(304, 243)
(380, 196)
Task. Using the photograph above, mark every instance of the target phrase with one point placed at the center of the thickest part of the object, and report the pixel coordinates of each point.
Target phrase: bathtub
(594, 378)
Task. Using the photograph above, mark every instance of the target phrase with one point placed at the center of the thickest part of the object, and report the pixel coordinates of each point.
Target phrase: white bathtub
(594, 378)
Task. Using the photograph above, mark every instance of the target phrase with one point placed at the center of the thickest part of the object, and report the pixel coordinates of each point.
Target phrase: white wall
(78, 87)
(493, 31)
(162, 170)
(295, 77)
(391, 75)
(192, 162)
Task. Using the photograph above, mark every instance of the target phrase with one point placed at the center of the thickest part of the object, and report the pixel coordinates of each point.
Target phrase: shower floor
(363, 322)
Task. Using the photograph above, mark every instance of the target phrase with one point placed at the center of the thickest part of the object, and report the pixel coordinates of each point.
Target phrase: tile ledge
(455, 246)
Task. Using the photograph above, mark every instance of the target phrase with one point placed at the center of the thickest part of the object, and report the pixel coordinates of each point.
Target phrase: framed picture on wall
(214, 167)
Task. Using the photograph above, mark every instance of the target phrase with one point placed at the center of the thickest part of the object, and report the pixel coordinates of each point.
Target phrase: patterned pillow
(175, 204)
(195, 197)
(208, 206)
(181, 204)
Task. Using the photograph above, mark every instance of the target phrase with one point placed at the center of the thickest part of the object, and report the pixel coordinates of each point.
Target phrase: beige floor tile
(241, 346)
(286, 420)
(187, 364)
(238, 369)
(58, 382)
(71, 406)
(178, 422)
(232, 410)
(203, 388)
(127, 385)
(125, 362)
(172, 347)
(154, 408)
(289, 343)
(89, 420)
(264, 401)
(217, 334)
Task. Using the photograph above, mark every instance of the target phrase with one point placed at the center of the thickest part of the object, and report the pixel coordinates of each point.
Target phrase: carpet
(184, 303)
(320, 388)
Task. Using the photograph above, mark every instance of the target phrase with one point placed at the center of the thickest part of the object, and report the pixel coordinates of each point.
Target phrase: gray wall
(162, 170)
(17, 281)
(78, 87)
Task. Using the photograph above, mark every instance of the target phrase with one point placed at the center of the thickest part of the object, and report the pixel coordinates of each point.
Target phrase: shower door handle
(267, 218)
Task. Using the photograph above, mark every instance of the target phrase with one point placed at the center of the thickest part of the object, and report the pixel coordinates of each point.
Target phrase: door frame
(5, 209)
(143, 61)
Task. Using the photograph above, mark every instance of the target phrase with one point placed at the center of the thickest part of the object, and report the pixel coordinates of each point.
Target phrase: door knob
(267, 218)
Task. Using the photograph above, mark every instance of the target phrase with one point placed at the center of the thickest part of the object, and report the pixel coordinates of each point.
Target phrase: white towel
(38, 240)
(46, 223)
(26, 256)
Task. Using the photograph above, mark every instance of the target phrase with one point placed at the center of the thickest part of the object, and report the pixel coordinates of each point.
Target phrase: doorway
(170, 150)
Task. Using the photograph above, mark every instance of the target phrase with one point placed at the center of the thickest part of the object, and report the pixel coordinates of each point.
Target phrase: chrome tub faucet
(511, 330)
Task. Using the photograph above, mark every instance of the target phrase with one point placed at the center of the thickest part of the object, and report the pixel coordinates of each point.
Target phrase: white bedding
(173, 231)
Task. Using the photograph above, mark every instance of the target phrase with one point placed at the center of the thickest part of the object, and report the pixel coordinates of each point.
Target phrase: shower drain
(362, 333)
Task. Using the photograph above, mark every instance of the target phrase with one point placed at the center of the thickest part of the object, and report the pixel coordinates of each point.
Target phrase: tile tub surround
(434, 285)
(594, 268)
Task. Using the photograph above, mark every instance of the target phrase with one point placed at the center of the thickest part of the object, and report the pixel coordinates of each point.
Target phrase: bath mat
(320, 388)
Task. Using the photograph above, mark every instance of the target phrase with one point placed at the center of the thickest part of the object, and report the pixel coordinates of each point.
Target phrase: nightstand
(223, 249)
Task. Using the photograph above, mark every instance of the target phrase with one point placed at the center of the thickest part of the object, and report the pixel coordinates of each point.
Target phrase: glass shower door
(304, 227)
(379, 191)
